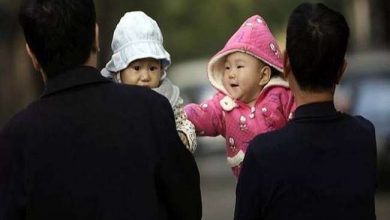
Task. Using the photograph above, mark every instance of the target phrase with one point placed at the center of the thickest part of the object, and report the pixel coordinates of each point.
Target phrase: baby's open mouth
(234, 85)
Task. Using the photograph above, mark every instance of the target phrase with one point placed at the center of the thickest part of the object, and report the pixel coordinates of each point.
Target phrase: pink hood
(253, 37)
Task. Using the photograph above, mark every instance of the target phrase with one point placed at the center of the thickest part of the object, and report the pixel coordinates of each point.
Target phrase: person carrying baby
(252, 96)
(139, 58)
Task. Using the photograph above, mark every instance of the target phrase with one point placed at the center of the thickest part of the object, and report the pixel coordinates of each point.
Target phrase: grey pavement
(217, 186)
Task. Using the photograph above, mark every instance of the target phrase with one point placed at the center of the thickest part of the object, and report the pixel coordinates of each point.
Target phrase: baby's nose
(232, 75)
(145, 76)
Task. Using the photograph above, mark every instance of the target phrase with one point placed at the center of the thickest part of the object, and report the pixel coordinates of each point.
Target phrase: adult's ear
(33, 58)
(265, 75)
(35, 63)
(342, 70)
(96, 45)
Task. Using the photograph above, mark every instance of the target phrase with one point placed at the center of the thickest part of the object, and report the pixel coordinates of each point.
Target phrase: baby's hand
(183, 139)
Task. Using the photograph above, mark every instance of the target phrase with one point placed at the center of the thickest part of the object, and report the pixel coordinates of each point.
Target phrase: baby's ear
(265, 75)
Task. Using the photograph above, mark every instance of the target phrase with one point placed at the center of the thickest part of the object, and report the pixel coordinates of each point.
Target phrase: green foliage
(199, 28)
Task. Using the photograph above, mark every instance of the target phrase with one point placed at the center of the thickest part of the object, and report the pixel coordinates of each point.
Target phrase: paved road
(218, 187)
(218, 190)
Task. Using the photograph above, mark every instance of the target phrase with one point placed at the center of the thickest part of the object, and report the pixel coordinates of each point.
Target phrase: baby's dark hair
(275, 72)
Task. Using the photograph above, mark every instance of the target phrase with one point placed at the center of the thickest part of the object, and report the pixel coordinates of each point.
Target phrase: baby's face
(242, 76)
(143, 72)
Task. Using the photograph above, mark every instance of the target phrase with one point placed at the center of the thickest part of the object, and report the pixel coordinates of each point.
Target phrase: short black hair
(317, 39)
(60, 33)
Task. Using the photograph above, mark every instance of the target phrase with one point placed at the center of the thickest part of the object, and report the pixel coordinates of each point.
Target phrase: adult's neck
(307, 97)
(92, 60)
(303, 97)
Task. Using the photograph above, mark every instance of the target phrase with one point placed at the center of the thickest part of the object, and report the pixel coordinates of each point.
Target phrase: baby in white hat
(139, 58)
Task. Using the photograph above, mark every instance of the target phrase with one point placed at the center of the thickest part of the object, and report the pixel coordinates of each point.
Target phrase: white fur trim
(236, 160)
(215, 76)
(277, 81)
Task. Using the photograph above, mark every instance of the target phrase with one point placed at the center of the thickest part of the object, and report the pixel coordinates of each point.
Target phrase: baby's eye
(227, 67)
(137, 68)
(153, 68)
(240, 66)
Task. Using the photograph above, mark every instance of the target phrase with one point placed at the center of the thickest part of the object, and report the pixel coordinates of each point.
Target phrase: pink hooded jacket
(233, 119)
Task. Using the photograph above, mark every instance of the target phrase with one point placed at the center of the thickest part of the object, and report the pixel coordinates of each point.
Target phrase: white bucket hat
(136, 36)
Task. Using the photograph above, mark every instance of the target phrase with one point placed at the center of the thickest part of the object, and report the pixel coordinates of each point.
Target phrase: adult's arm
(177, 173)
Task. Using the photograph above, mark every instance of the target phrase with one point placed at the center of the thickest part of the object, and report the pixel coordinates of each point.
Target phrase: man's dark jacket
(321, 165)
(92, 149)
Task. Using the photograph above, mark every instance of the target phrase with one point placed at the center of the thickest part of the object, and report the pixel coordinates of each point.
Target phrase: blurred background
(194, 30)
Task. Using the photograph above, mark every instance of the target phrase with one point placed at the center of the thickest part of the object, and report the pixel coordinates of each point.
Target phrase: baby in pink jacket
(252, 96)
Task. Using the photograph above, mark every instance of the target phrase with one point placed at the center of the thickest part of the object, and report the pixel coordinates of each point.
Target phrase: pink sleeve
(289, 104)
(207, 117)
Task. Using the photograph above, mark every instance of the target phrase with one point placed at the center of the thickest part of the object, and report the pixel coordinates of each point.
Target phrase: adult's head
(317, 38)
(60, 34)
